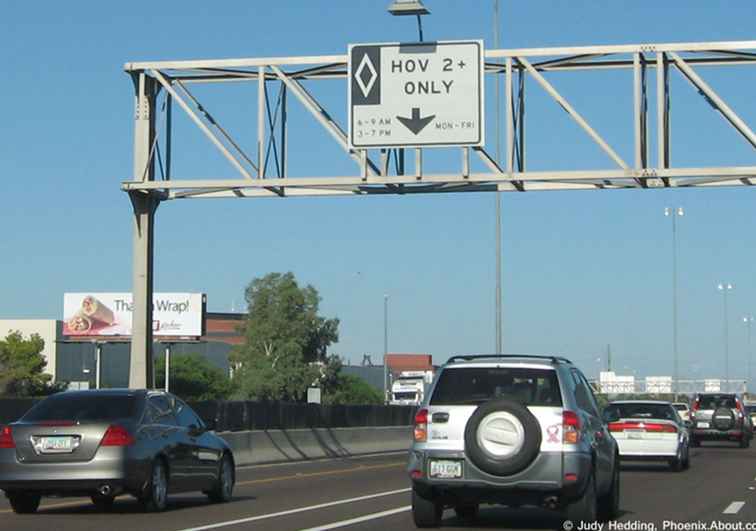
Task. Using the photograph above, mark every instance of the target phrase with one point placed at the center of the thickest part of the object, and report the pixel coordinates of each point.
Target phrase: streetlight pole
(498, 193)
(385, 345)
(674, 213)
(725, 288)
(748, 320)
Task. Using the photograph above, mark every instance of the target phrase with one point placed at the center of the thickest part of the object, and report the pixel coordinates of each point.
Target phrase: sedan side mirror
(195, 430)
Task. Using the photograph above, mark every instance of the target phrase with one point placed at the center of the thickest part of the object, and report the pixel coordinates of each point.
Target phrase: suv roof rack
(553, 359)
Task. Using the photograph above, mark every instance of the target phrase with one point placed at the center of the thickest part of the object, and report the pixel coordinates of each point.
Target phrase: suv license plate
(446, 469)
(702, 425)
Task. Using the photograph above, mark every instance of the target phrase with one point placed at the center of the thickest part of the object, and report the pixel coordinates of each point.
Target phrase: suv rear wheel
(608, 505)
(584, 509)
(466, 512)
(426, 510)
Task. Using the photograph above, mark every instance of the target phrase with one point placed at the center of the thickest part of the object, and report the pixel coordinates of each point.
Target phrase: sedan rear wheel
(24, 502)
(156, 497)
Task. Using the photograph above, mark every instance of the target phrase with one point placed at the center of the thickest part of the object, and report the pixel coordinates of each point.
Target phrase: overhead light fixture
(408, 7)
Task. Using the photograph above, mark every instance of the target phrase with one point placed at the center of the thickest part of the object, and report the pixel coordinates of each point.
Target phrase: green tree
(22, 366)
(350, 389)
(286, 341)
(193, 378)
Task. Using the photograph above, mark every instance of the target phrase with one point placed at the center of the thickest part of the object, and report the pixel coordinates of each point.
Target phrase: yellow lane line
(319, 474)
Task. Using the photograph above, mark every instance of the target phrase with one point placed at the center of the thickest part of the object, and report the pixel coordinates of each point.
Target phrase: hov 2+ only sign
(416, 95)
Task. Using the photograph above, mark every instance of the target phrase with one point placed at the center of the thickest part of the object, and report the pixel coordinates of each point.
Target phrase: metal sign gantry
(153, 181)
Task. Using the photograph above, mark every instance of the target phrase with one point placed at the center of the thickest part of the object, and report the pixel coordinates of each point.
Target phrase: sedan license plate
(446, 469)
(635, 434)
(55, 445)
(702, 425)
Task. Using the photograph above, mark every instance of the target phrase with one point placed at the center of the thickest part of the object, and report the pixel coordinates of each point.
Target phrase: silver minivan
(516, 431)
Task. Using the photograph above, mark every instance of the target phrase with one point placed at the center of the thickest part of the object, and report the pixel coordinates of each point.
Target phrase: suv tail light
(117, 436)
(741, 409)
(6, 437)
(570, 427)
(421, 425)
(696, 405)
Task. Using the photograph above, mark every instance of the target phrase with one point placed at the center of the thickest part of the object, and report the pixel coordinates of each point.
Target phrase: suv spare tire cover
(502, 437)
(723, 419)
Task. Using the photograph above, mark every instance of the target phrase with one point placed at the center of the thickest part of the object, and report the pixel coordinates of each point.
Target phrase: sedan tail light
(651, 427)
(6, 437)
(421, 425)
(570, 427)
(117, 436)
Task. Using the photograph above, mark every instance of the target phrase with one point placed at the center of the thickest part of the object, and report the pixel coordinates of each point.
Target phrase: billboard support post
(144, 204)
(167, 366)
(98, 364)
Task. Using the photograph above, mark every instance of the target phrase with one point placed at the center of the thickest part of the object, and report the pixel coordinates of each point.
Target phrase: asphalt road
(373, 493)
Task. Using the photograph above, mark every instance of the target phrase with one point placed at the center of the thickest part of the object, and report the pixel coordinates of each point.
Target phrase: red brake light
(570, 427)
(652, 427)
(421, 425)
(6, 437)
(117, 436)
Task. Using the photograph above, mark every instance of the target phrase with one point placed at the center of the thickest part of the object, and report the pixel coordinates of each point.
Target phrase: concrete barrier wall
(270, 446)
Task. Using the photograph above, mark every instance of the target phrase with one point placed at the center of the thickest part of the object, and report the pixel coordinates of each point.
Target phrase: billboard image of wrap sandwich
(110, 314)
(90, 319)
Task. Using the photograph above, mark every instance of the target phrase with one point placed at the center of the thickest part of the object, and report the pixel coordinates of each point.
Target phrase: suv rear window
(680, 407)
(715, 401)
(82, 408)
(473, 385)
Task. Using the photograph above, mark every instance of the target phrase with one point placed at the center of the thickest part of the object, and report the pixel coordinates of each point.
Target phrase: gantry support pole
(144, 204)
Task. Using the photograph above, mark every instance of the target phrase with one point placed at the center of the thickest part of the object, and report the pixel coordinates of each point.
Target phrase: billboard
(109, 314)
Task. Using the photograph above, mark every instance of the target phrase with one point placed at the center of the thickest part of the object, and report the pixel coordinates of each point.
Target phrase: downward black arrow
(416, 124)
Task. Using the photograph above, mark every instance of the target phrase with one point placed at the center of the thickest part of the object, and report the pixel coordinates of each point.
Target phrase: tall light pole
(498, 194)
(725, 288)
(674, 213)
(385, 345)
(748, 320)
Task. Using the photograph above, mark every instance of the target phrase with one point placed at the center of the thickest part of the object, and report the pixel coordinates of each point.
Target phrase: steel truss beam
(515, 66)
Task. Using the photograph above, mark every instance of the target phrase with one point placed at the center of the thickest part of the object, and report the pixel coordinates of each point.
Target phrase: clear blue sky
(581, 269)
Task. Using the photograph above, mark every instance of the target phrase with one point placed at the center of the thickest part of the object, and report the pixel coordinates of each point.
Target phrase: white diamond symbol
(366, 63)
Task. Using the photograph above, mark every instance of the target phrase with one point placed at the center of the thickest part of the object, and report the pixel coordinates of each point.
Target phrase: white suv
(512, 430)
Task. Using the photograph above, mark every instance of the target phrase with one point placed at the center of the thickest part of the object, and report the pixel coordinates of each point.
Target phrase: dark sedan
(109, 442)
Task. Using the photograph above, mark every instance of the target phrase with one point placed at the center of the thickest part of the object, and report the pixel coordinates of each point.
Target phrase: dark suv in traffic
(720, 417)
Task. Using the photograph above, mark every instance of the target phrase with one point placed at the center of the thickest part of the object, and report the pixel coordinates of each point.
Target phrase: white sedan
(649, 431)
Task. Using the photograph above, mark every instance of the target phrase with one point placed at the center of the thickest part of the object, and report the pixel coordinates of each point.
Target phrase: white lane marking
(374, 516)
(294, 511)
(734, 507)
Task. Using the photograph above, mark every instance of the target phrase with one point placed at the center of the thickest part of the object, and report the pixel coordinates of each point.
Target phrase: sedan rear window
(82, 408)
(474, 385)
(641, 411)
